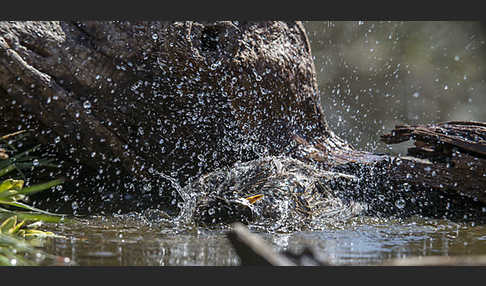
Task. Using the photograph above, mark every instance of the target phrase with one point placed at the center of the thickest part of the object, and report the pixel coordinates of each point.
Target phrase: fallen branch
(254, 251)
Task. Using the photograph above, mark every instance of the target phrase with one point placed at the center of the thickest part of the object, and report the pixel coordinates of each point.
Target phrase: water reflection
(358, 241)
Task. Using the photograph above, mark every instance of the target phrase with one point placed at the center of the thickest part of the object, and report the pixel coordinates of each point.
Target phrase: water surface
(130, 241)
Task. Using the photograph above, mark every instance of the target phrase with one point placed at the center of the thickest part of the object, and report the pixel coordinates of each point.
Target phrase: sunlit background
(374, 75)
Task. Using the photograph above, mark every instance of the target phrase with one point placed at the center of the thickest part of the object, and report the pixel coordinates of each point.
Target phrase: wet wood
(434, 141)
(453, 153)
(252, 250)
(442, 176)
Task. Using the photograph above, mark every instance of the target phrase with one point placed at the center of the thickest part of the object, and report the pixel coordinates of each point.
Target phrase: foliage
(18, 220)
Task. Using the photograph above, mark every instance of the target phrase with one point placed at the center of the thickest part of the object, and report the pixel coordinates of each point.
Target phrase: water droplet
(147, 187)
(215, 65)
(400, 203)
(87, 104)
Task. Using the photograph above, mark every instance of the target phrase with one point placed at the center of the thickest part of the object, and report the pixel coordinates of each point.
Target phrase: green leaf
(26, 207)
(8, 195)
(16, 227)
(26, 152)
(7, 170)
(30, 233)
(29, 216)
(11, 184)
(40, 187)
(8, 224)
(12, 163)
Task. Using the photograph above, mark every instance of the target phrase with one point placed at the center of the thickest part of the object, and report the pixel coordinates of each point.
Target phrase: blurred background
(375, 75)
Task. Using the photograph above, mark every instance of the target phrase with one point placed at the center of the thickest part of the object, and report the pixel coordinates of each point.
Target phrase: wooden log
(453, 153)
(443, 176)
(254, 251)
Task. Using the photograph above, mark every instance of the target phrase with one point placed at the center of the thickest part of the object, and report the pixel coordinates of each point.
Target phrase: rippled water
(129, 241)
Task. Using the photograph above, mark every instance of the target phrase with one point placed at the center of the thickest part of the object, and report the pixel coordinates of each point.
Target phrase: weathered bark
(130, 99)
(443, 176)
(454, 156)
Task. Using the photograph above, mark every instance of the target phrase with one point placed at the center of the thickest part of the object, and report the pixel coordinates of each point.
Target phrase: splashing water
(186, 205)
(295, 196)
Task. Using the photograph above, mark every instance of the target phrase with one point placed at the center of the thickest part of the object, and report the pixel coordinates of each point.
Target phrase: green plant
(18, 220)
(15, 248)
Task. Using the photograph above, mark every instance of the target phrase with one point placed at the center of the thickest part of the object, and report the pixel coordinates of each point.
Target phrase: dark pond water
(127, 241)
